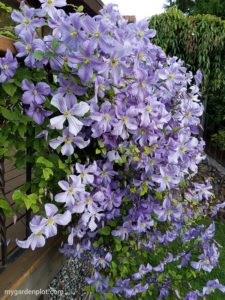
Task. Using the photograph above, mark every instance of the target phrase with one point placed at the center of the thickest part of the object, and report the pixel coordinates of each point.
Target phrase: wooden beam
(6, 43)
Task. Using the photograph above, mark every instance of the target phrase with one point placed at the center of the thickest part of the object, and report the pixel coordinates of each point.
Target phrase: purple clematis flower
(168, 211)
(142, 271)
(70, 142)
(53, 219)
(72, 190)
(102, 262)
(104, 119)
(203, 190)
(49, 6)
(125, 122)
(194, 295)
(137, 289)
(69, 88)
(86, 173)
(167, 178)
(208, 259)
(211, 286)
(37, 113)
(106, 174)
(36, 239)
(100, 283)
(68, 110)
(123, 231)
(8, 66)
(143, 224)
(92, 217)
(27, 47)
(71, 30)
(34, 93)
(28, 21)
(87, 61)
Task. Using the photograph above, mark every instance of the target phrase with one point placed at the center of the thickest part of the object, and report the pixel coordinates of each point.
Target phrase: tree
(213, 7)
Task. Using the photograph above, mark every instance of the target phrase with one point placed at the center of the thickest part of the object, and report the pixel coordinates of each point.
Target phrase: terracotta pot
(6, 43)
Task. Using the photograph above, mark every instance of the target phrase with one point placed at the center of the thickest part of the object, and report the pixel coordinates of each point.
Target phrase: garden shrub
(113, 125)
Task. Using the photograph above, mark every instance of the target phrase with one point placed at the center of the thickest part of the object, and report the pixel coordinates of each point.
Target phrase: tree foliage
(213, 7)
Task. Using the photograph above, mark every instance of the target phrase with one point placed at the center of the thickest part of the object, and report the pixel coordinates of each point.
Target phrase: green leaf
(7, 114)
(97, 151)
(30, 200)
(80, 8)
(43, 161)
(144, 189)
(47, 173)
(105, 231)
(4, 205)
(9, 88)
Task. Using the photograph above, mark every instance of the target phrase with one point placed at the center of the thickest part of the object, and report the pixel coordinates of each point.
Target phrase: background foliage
(213, 7)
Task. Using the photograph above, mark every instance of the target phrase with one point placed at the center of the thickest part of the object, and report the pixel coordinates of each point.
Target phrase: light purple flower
(49, 6)
(37, 113)
(211, 286)
(72, 190)
(100, 283)
(86, 173)
(168, 211)
(53, 219)
(69, 110)
(27, 19)
(36, 239)
(34, 93)
(8, 66)
(70, 142)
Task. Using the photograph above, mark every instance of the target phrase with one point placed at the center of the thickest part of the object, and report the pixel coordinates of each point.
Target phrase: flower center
(68, 140)
(86, 60)
(35, 92)
(51, 221)
(140, 55)
(89, 200)
(142, 85)
(148, 109)
(50, 2)
(73, 33)
(125, 119)
(188, 114)
(183, 149)
(167, 178)
(37, 110)
(38, 234)
(114, 62)
(169, 212)
(104, 173)
(71, 190)
(5, 67)
(28, 48)
(106, 118)
(26, 21)
(67, 114)
(101, 88)
(97, 34)
(171, 76)
(140, 34)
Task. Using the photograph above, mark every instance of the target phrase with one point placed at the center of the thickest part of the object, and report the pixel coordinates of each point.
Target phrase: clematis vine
(117, 122)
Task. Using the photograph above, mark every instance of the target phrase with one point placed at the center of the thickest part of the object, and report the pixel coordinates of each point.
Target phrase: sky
(140, 8)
